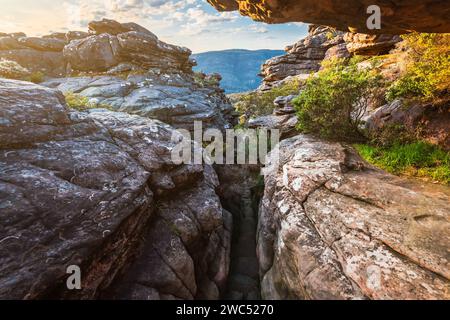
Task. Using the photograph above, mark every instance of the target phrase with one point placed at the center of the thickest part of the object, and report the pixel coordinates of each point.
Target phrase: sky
(190, 23)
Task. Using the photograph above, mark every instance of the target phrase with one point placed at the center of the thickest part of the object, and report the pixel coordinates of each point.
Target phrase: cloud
(196, 20)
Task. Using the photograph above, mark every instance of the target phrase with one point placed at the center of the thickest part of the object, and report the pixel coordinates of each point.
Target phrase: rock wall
(84, 189)
(333, 227)
(321, 43)
(398, 16)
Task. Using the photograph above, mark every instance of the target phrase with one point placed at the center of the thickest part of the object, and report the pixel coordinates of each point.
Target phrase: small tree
(335, 99)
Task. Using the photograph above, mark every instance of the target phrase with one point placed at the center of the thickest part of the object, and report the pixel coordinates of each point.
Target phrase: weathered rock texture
(104, 51)
(304, 57)
(332, 227)
(370, 45)
(322, 43)
(134, 72)
(36, 54)
(112, 43)
(398, 16)
(174, 98)
(85, 189)
(430, 121)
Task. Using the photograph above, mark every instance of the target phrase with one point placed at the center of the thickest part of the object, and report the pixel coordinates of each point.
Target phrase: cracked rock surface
(173, 98)
(333, 227)
(99, 190)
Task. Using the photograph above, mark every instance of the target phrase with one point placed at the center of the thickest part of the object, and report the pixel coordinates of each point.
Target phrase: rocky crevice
(240, 193)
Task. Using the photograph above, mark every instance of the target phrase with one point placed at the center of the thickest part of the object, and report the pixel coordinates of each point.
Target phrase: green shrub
(12, 70)
(334, 100)
(36, 77)
(254, 104)
(81, 103)
(419, 159)
(204, 80)
(427, 68)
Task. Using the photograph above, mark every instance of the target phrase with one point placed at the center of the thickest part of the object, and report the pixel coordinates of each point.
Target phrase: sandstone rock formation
(36, 54)
(370, 45)
(112, 43)
(85, 189)
(104, 51)
(322, 43)
(398, 16)
(333, 227)
(134, 72)
(304, 57)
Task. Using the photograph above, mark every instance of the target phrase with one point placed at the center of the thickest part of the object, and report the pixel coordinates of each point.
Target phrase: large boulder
(333, 227)
(398, 16)
(147, 51)
(95, 53)
(108, 45)
(97, 190)
(115, 43)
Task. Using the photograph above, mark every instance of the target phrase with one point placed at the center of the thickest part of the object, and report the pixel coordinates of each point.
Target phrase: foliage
(204, 80)
(36, 77)
(254, 104)
(334, 100)
(419, 159)
(81, 103)
(427, 68)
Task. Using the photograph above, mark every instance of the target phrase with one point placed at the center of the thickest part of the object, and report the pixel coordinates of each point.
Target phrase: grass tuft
(418, 159)
(81, 103)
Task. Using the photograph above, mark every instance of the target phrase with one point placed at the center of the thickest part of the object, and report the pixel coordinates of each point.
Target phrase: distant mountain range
(239, 68)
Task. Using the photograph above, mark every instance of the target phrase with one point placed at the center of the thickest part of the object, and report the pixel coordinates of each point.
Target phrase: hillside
(239, 68)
